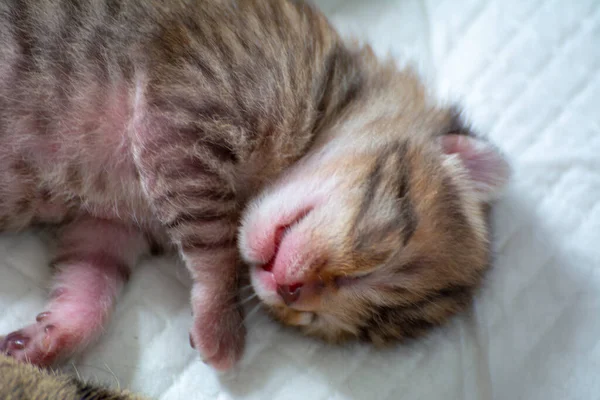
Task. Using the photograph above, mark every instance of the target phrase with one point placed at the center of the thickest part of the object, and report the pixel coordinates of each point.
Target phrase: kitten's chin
(265, 286)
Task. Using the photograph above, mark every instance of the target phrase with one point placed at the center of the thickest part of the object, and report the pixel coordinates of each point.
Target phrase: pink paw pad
(40, 344)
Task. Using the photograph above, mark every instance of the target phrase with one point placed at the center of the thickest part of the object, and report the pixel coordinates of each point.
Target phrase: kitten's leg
(204, 226)
(189, 169)
(200, 211)
(93, 261)
(218, 330)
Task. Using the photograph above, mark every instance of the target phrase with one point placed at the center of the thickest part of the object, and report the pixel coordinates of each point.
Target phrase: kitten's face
(381, 243)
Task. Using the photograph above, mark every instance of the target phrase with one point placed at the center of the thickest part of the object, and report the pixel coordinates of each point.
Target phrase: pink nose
(289, 293)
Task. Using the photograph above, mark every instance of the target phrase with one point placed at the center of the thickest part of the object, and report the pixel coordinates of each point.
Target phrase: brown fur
(436, 247)
(19, 381)
(169, 117)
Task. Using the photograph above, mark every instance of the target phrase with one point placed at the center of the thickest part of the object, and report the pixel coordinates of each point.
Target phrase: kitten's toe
(219, 335)
(41, 344)
(33, 344)
(13, 342)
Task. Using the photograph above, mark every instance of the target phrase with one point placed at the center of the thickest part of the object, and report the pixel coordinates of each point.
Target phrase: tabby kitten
(143, 123)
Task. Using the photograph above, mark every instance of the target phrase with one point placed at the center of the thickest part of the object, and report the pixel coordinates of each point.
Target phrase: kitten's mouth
(263, 276)
(280, 233)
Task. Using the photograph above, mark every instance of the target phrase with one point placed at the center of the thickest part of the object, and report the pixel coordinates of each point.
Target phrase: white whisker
(247, 299)
(250, 315)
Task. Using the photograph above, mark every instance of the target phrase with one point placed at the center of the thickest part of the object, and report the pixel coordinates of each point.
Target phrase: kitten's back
(70, 72)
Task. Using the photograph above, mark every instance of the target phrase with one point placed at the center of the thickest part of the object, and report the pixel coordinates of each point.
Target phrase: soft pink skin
(289, 258)
(97, 250)
(288, 247)
(121, 203)
(93, 262)
(276, 247)
(121, 125)
(218, 326)
(275, 237)
(487, 170)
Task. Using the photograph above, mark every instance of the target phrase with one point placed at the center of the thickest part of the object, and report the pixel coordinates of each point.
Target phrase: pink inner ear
(488, 170)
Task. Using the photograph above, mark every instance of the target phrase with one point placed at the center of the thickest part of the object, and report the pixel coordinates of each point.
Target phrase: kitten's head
(379, 237)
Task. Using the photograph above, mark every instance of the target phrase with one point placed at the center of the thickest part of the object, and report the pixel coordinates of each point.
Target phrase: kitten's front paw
(218, 333)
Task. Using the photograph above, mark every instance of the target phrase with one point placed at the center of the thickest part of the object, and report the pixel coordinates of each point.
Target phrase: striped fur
(169, 117)
(25, 382)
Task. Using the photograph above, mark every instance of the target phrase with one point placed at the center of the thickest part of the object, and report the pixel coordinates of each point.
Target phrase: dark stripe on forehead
(372, 181)
(408, 214)
(453, 209)
(403, 182)
(374, 178)
(404, 170)
(409, 218)
(392, 157)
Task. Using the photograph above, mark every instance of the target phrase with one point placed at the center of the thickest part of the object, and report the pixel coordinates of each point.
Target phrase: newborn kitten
(144, 122)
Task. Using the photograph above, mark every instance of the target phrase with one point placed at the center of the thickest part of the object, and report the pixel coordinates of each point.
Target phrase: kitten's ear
(487, 169)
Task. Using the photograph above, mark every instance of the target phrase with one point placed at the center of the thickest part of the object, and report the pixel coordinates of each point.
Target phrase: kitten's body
(85, 84)
(161, 118)
(138, 122)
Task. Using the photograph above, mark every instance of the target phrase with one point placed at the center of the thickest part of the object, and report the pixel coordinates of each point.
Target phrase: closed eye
(350, 279)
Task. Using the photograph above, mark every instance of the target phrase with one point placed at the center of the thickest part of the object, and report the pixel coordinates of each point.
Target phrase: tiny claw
(46, 341)
(192, 342)
(42, 316)
(46, 344)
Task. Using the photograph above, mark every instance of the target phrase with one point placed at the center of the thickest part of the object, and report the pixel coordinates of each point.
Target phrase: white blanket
(526, 72)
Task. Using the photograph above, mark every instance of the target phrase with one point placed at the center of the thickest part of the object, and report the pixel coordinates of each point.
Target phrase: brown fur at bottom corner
(20, 381)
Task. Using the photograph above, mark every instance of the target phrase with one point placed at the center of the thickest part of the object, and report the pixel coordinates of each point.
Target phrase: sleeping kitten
(131, 124)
